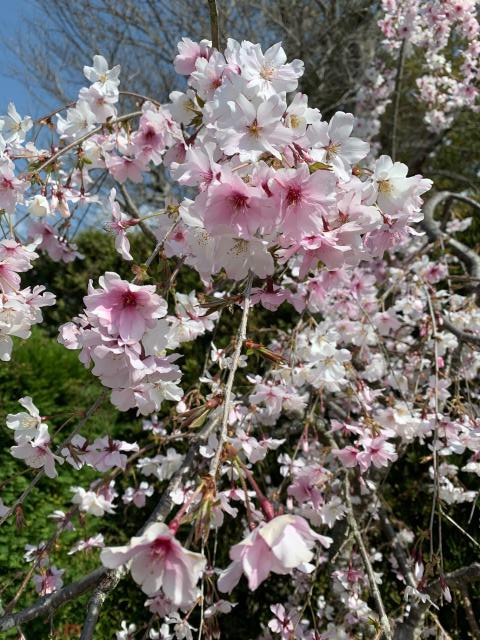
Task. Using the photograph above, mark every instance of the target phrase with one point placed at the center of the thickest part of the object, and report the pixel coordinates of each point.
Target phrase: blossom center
(239, 200)
(266, 72)
(332, 149)
(385, 186)
(294, 121)
(129, 299)
(161, 547)
(294, 194)
(239, 247)
(254, 129)
(29, 422)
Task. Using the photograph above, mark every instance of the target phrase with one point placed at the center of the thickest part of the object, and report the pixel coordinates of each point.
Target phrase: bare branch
(352, 522)
(397, 94)
(397, 547)
(241, 335)
(470, 614)
(407, 629)
(107, 584)
(464, 336)
(434, 232)
(212, 6)
(132, 209)
(47, 604)
(82, 139)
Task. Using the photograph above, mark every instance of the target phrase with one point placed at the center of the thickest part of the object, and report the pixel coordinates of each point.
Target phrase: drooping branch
(164, 505)
(88, 414)
(49, 604)
(241, 335)
(352, 522)
(92, 409)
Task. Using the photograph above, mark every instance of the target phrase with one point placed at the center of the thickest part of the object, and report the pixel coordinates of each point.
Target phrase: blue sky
(12, 89)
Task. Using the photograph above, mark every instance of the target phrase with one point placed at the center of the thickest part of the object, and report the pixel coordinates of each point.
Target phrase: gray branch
(407, 630)
(107, 584)
(47, 604)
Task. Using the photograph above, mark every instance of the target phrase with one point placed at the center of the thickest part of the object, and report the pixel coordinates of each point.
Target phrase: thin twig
(49, 604)
(241, 335)
(384, 622)
(82, 139)
(88, 414)
(135, 213)
(92, 409)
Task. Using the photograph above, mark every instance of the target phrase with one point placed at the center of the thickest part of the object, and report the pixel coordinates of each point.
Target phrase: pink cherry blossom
(49, 581)
(123, 308)
(233, 206)
(157, 561)
(37, 452)
(279, 546)
(305, 199)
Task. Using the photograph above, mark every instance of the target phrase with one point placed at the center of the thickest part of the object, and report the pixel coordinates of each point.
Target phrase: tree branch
(434, 232)
(102, 577)
(82, 139)
(464, 336)
(384, 622)
(407, 629)
(47, 604)
(107, 584)
(88, 414)
(132, 209)
(470, 614)
(241, 335)
(397, 93)
(212, 6)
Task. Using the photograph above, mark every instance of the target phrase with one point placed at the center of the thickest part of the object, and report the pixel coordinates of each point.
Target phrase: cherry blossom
(157, 561)
(36, 451)
(279, 546)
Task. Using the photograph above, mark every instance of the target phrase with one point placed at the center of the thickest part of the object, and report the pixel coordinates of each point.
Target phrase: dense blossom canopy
(274, 205)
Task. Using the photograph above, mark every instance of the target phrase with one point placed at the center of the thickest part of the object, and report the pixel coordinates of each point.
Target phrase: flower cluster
(119, 334)
(276, 181)
(33, 439)
(19, 308)
(429, 26)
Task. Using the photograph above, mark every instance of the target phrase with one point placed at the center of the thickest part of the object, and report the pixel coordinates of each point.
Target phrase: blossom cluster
(429, 26)
(120, 335)
(19, 308)
(276, 182)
